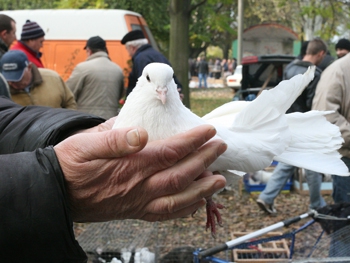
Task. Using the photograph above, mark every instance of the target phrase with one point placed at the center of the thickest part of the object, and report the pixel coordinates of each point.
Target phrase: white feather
(256, 132)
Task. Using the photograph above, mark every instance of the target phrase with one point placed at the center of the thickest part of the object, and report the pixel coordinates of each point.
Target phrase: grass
(204, 101)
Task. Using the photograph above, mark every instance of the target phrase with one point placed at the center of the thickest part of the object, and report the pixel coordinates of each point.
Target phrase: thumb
(105, 145)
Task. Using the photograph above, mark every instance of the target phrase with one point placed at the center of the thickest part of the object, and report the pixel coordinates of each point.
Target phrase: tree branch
(193, 7)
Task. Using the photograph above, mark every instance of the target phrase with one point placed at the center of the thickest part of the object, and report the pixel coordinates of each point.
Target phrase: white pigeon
(256, 132)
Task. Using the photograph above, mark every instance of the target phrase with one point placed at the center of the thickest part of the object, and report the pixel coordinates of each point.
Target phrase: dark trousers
(341, 185)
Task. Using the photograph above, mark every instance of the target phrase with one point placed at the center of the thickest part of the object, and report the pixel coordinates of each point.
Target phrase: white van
(67, 31)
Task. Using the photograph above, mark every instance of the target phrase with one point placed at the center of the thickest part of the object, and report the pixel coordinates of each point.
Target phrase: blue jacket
(145, 55)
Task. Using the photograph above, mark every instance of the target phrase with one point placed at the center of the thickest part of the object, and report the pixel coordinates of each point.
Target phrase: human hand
(105, 126)
(115, 175)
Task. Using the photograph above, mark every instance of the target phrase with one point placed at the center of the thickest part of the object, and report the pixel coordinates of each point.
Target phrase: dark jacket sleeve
(35, 221)
(3, 87)
(32, 127)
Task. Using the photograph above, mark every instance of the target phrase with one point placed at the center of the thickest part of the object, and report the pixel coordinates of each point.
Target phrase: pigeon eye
(147, 77)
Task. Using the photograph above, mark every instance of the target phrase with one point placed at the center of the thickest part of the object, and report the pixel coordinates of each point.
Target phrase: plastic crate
(257, 188)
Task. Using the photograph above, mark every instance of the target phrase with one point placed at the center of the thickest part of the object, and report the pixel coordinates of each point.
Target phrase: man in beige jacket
(333, 94)
(32, 86)
(97, 83)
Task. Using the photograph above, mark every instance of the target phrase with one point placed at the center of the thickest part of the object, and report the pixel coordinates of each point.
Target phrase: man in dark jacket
(142, 54)
(342, 47)
(315, 52)
(60, 166)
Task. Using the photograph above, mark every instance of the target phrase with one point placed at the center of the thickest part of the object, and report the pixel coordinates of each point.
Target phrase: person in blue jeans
(315, 52)
(282, 173)
(203, 71)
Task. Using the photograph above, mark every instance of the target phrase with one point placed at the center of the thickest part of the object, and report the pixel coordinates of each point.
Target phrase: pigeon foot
(213, 215)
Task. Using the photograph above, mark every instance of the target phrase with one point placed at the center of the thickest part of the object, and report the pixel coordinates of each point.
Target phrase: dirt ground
(241, 214)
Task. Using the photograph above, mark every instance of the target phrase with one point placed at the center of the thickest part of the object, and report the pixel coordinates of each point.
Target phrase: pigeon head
(159, 78)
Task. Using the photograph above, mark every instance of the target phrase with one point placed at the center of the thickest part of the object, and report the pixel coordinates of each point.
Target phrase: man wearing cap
(30, 85)
(142, 54)
(32, 39)
(97, 83)
(342, 47)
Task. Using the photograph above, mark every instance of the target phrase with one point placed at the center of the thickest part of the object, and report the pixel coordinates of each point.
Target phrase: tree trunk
(179, 11)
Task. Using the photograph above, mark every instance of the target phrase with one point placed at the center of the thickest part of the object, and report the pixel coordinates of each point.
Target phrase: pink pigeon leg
(213, 215)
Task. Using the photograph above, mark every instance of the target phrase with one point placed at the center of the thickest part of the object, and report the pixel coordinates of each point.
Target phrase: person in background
(217, 69)
(142, 54)
(203, 71)
(32, 86)
(211, 67)
(192, 67)
(234, 65)
(32, 39)
(315, 52)
(327, 60)
(342, 47)
(7, 33)
(61, 166)
(97, 83)
(224, 68)
(230, 66)
(333, 94)
(7, 36)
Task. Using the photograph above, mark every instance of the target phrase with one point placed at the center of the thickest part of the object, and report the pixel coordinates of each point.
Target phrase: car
(234, 81)
(261, 72)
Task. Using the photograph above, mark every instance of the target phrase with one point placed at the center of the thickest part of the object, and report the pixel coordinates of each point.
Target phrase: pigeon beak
(162, 92)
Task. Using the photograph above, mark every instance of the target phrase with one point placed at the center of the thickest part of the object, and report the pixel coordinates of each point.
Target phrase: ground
(240, 215)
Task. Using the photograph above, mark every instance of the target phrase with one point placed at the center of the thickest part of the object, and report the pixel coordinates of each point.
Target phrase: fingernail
(219, 185)
(222, 148)
(211, 133)
(133, 137)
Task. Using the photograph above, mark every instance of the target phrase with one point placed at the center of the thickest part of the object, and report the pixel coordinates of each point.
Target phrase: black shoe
(270, 209)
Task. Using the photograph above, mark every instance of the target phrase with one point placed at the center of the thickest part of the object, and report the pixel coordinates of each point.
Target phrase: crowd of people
(24, 78)
(61, 162)
(218, 68)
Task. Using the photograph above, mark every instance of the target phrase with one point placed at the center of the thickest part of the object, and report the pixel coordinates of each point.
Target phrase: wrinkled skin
(116, 174)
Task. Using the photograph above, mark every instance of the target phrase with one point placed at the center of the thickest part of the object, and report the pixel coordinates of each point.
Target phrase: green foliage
(212, 24)
(24, 4)
(322, 16)
(214, 52)
(156, 15)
